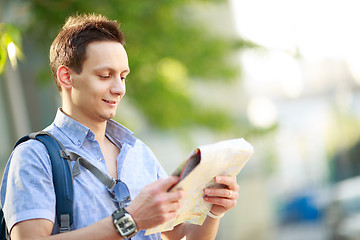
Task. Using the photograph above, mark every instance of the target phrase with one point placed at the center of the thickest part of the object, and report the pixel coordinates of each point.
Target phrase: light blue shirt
(27, 190)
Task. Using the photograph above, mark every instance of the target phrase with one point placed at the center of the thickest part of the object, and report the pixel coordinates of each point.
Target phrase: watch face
(126, 226)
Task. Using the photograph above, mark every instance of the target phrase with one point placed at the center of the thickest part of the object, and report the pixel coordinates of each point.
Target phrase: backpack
(62, 180)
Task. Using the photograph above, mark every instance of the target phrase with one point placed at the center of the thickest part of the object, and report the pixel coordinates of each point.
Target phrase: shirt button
(99, 159)
(78, 143)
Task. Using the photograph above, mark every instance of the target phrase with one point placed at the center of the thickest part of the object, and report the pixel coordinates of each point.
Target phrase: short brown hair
(69, 46)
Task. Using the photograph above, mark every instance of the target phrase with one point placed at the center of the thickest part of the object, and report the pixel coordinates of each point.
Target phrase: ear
(63, 77)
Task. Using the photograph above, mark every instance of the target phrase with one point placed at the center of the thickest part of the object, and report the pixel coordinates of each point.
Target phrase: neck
(97, 127)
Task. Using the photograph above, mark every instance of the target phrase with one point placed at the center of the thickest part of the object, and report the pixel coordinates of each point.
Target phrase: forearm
(31, 230)
(207, 231)
(103, 229)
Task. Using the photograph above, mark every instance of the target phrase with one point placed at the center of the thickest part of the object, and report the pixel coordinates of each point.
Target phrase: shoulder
(30, 149)
(144, 157)
(143, 152)
(28, 154)
(26, 189)
(141, 146)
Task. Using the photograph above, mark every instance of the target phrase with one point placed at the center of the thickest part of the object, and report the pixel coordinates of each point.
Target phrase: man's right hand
(155, 205)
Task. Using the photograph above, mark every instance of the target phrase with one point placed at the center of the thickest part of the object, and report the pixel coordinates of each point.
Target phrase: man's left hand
(225, 198)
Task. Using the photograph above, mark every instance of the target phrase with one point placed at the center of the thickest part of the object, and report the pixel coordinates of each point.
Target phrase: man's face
(98, 89)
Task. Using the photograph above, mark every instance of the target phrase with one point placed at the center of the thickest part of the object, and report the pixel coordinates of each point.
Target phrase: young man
(90, 66)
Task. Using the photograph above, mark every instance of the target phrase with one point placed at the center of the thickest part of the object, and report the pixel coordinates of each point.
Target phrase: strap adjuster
(64, 154)
(64, 223)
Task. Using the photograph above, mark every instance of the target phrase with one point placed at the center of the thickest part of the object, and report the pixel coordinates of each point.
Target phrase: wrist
(135, 216)
(210, 214)
(124, 223)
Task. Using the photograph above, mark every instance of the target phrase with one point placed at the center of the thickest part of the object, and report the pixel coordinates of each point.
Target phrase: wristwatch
(124, 223)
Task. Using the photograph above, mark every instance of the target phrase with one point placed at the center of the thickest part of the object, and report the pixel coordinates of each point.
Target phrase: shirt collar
(77, 132)
(74, 130)
(119, 133)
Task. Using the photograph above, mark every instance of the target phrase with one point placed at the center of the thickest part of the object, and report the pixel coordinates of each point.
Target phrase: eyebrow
(127, 71)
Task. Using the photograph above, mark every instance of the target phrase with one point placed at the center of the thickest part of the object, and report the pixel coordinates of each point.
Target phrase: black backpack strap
(4, 233)
(21, 140)
(62, 177)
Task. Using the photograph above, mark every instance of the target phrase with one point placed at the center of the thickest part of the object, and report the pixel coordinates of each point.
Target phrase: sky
(294, 92)
(317, 27)
(317, 30)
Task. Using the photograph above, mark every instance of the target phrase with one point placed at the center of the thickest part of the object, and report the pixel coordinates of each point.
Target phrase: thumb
(165, 183)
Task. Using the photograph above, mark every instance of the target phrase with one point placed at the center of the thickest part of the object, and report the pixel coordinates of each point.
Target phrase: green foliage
(9, 34)
(166, 52)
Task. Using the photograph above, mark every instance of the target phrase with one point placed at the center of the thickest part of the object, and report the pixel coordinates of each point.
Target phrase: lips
(110, 101)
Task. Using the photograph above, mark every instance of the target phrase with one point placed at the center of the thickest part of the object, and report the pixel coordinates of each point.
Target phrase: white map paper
(222, 158)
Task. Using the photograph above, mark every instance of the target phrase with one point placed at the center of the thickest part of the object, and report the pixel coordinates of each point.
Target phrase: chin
(108, 116)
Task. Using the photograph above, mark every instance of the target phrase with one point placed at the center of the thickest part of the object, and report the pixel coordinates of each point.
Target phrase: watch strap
(119, 215)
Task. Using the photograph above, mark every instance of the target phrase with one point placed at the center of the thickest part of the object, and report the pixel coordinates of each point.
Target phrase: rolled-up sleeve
(27, 190)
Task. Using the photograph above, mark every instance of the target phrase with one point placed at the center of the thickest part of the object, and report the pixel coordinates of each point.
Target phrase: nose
(118, 86)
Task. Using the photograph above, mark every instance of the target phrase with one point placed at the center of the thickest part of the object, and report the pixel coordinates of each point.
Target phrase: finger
(157, 219)
(229, 181)
(224, 202)
(171, 207)
(168, 197)
(170, 215)
(167, 211)
(164, 184)
(224, 193)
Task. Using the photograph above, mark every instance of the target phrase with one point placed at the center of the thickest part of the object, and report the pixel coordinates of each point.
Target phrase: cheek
(84, 97)
(89, 91)
(93, 91)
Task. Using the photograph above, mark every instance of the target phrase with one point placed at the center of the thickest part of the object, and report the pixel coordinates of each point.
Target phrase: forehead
(108, 54)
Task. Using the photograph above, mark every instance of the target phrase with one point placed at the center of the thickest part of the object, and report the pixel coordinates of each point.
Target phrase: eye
(105, 76)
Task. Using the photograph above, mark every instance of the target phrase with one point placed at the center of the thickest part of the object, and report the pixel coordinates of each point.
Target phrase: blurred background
(284, 75)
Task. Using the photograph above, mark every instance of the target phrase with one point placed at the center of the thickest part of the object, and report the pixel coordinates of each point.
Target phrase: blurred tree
(167, 49)
(10, 44)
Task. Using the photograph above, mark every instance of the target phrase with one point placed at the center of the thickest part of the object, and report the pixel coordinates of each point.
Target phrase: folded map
(225, 158)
